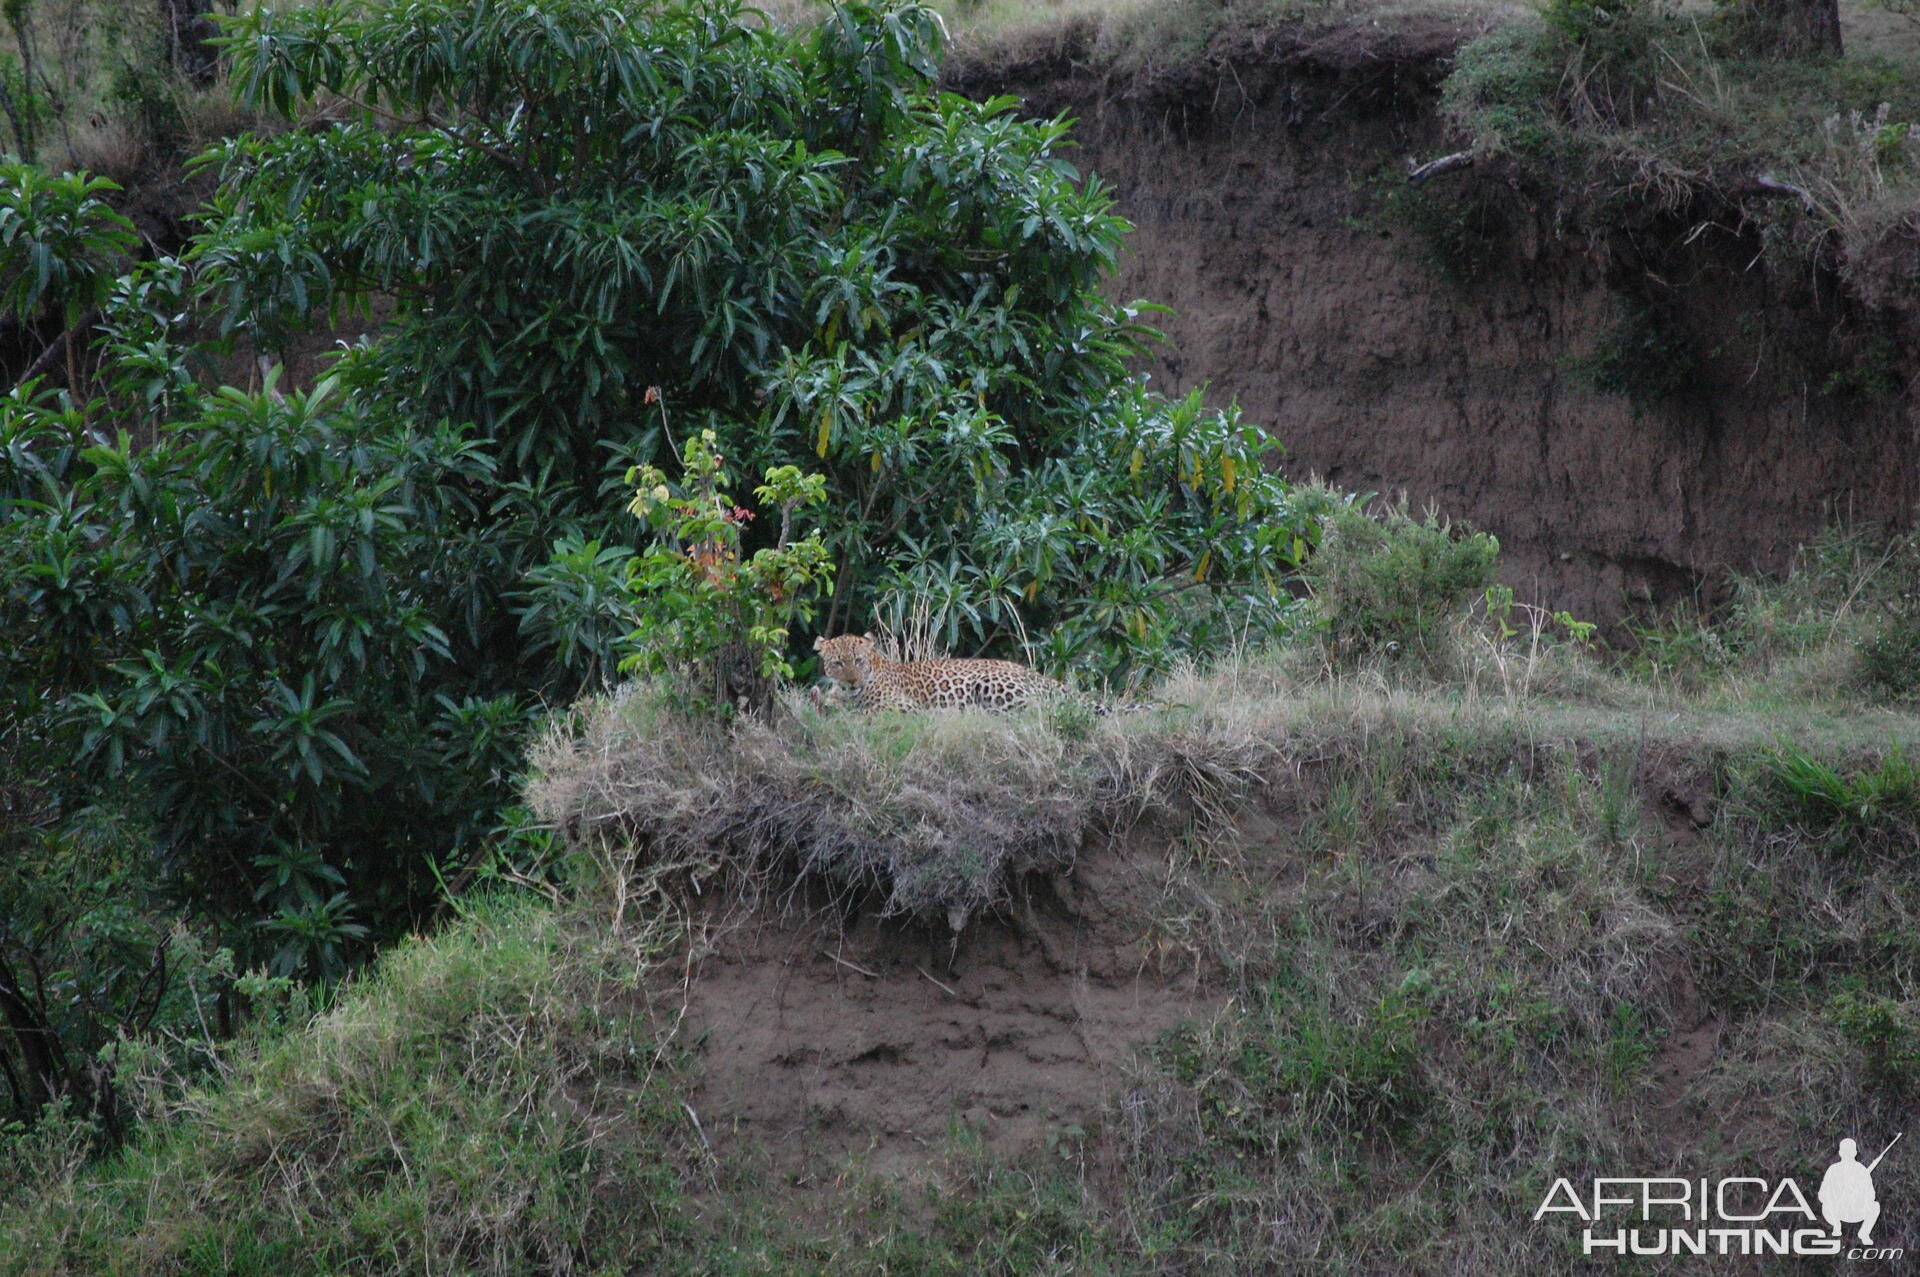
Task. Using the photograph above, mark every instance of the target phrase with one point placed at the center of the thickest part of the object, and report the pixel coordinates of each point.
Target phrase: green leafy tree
(809, 248)
(61, 248)
(300, 633)
(249, 620)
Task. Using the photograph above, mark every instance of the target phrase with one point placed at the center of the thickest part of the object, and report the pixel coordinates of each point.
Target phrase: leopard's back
(854, 663)
(961, 684)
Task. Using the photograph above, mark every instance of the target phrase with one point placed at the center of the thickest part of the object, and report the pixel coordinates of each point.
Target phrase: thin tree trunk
(39, 1046)
(186, 28)
(1801, 28)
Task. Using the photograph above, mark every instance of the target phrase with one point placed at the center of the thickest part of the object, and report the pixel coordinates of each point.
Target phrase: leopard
(854, 664)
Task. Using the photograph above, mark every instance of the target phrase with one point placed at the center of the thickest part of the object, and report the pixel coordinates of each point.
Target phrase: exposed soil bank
(836, 1035)
(1257, 177)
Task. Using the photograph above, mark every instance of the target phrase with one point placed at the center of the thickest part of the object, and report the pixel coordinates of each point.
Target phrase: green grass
(1463, 932)
(1490, 932)
(472, 1103)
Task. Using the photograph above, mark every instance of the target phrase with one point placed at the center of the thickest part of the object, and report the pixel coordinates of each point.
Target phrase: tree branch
(1771, 185)
(426, 119)
(1445, 164)
(52, 352)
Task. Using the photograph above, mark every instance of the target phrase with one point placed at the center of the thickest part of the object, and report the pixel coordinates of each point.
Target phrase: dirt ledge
(1256, 175)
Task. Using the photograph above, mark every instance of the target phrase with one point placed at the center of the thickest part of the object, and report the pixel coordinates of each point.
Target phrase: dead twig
(871, 975)
(53, 350)
(947, 989)
(1445, 164)
(1771, 185)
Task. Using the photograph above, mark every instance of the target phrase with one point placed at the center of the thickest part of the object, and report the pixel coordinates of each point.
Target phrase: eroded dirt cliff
(1261, 179)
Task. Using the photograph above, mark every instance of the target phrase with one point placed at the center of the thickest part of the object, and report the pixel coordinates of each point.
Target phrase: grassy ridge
(1623, 125)
(475, 1104)
(1484, 935)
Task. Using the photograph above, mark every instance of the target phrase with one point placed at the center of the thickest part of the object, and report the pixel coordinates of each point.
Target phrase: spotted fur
(855, 665)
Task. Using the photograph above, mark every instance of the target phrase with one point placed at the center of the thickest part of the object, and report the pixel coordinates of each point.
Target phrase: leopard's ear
(868, 636)
(820, 643)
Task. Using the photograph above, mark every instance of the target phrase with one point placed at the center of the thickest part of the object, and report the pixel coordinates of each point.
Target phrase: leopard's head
(847, 659)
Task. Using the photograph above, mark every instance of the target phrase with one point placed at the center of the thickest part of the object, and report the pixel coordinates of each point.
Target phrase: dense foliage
(296, 634)
(1395, 585)
(808, 249)
(253, 617)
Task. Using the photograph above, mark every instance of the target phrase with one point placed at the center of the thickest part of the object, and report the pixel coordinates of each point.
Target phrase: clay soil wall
(1259, 180)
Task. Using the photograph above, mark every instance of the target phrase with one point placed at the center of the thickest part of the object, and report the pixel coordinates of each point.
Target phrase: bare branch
(52, 352)
(1771, 185)
(1445, 164)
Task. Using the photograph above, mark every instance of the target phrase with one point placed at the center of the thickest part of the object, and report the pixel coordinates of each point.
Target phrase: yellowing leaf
(826, 430)
(1133, 467)
(1226, 472)
(876, 463)
(1032, 591)
(1206, 561)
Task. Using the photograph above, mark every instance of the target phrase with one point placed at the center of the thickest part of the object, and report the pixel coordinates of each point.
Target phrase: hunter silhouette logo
(1846, 1194)
(1738, 1215)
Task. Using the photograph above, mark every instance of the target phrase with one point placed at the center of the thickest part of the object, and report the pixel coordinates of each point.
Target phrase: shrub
(1886, 650)
(715, 620)
(261, 623)
(1645, 357)
(91, 952)
(1885, 1034)
(1394, 585)
(1462, 230)
(61, 248)
(807, 249)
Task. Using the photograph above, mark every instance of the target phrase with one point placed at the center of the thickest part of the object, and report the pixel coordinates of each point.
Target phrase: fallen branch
(1771, 185)
(871, 975)
(1445, 164)
(943, 988)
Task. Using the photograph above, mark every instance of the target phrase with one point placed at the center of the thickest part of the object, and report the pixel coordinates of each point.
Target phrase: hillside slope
(1441, 340)
(1294, 972)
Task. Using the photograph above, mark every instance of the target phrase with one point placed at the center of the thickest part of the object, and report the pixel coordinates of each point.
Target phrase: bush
(1645, 357)
(260, 624)
(1886, 651)
(61, 248)
(91, 952)
(807, 249)
(1462, 230)
(1885, 1034)
(714, 620)
(1395, 585)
